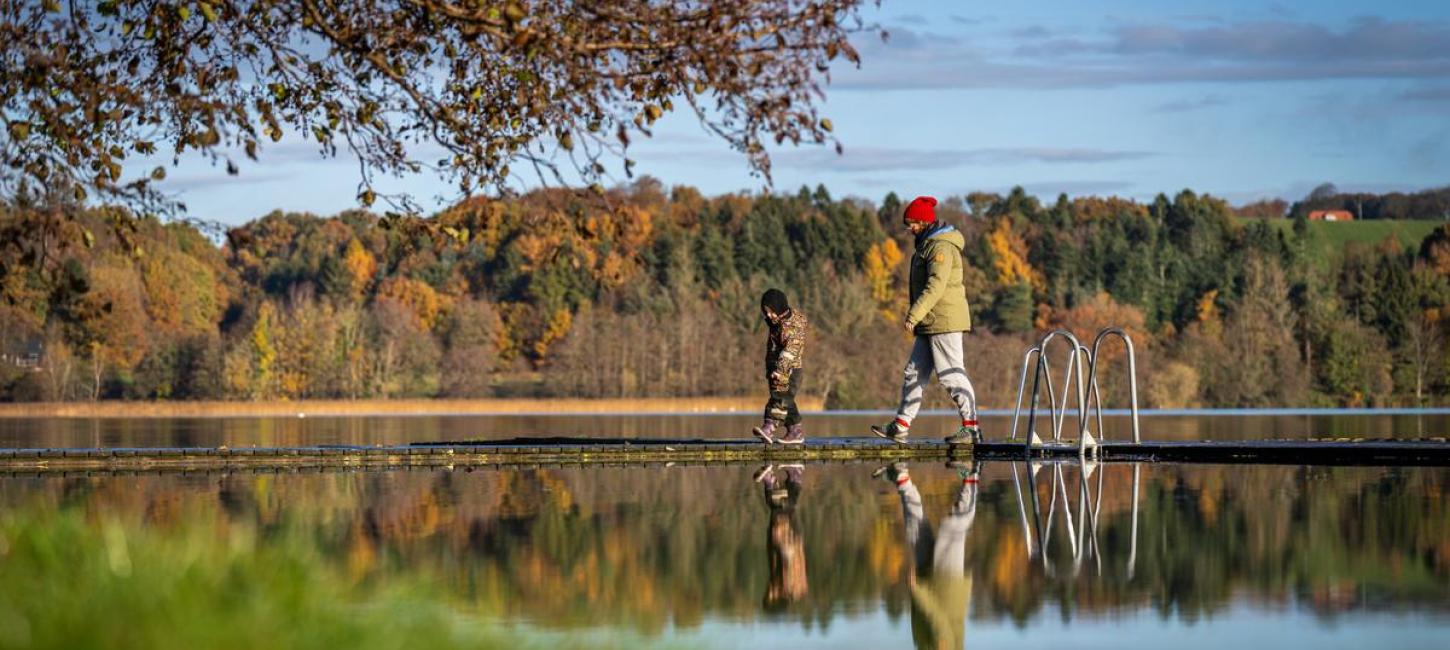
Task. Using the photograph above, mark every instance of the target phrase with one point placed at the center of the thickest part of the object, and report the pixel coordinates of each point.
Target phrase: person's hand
(779, 382)
(909, 325)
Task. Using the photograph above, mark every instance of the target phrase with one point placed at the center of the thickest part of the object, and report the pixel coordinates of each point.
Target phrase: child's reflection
(941, 586)
(783, 542)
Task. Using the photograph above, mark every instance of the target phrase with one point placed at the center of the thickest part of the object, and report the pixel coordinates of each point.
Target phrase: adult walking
(939, 317)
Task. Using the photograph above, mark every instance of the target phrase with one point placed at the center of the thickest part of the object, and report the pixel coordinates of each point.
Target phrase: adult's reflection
(940, 584)
(785, 548)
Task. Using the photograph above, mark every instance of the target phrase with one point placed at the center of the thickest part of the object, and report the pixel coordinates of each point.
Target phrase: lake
(730, 556)
(391, 430)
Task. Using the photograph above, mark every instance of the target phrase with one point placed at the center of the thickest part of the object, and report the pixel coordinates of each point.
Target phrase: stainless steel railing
(1089, 396)
(1132, 377)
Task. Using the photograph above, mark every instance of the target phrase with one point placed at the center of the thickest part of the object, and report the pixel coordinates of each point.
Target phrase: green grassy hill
(1335, 234)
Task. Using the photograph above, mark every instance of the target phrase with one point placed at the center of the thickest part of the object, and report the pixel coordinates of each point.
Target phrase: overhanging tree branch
(88, 88)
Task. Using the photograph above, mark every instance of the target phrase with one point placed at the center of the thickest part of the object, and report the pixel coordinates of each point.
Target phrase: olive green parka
(938, 299)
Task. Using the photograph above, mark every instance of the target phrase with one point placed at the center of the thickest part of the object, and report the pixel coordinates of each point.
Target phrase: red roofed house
(1331, 215)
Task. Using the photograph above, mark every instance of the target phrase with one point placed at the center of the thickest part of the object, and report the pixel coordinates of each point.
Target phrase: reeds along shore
(312, 408)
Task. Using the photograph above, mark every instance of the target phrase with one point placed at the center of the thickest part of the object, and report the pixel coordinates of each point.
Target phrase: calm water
(826, 555)
(268, 432)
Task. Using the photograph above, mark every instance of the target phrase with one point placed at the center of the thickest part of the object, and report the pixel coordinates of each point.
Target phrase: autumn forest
(646, 290)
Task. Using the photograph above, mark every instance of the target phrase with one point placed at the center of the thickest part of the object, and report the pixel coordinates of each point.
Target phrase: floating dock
(1430, 452)
(1433, 452)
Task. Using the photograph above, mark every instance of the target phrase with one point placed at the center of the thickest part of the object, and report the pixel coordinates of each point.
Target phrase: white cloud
(1156, 53)
(894, 158)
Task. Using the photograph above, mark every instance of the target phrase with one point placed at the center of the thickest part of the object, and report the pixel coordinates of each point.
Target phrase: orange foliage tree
(417, 297)
(1009, 256)
(881, 263)
(361, 268)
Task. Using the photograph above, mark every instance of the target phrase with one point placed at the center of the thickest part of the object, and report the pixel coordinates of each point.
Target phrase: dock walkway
(1434, 452)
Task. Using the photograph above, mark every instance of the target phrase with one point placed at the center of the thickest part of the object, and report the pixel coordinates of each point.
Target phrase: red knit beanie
(921, 208)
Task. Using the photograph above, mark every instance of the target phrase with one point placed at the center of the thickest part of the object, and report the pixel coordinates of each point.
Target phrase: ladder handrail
(1043, 368)
(1021, 387)
(1096, 396)
(1059, 412)
(1132, 377)
(1081, 359)
(1081, 386)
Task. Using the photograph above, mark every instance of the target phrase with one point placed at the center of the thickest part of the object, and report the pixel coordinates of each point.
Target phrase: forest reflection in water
(835, 553)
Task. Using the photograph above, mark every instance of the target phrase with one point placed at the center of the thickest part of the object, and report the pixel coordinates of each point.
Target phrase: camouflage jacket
(785, 346)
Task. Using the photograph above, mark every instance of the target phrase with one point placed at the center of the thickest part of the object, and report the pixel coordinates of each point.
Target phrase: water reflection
(940, 580)
(678, 552)
(271, 432)
(1083, 543)
(785, 547)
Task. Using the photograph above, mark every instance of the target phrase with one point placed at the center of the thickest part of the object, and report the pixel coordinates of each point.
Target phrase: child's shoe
(794, 435)
(766, 432)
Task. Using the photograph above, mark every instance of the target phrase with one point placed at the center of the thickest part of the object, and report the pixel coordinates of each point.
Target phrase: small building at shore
(1331, 215)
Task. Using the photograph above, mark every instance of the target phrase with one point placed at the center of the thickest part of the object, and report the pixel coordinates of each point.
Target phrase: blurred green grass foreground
(67, 581)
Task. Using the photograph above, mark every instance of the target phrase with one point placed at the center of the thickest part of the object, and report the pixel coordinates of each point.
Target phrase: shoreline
(398, 407)
(568, 406)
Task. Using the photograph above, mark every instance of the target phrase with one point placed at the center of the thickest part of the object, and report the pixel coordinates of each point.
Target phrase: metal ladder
(1089, 397)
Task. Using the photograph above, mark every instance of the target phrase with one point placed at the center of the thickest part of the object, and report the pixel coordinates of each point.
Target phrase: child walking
(783, 349)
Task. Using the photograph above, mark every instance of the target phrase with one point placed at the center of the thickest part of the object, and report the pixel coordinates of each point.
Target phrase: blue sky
(1238, 98)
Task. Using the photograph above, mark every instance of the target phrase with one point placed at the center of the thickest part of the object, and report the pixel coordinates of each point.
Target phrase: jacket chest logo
(922, 258)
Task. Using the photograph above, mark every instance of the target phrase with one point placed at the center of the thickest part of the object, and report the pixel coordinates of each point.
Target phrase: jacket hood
(943, 232)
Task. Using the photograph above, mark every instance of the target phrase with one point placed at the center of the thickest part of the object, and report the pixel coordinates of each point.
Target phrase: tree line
(1427, 204)
(652, 291)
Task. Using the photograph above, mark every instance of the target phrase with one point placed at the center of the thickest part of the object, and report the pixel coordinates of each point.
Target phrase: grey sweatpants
(941, 353)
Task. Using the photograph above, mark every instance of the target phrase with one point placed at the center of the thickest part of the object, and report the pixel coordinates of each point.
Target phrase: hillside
(1334, 235)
